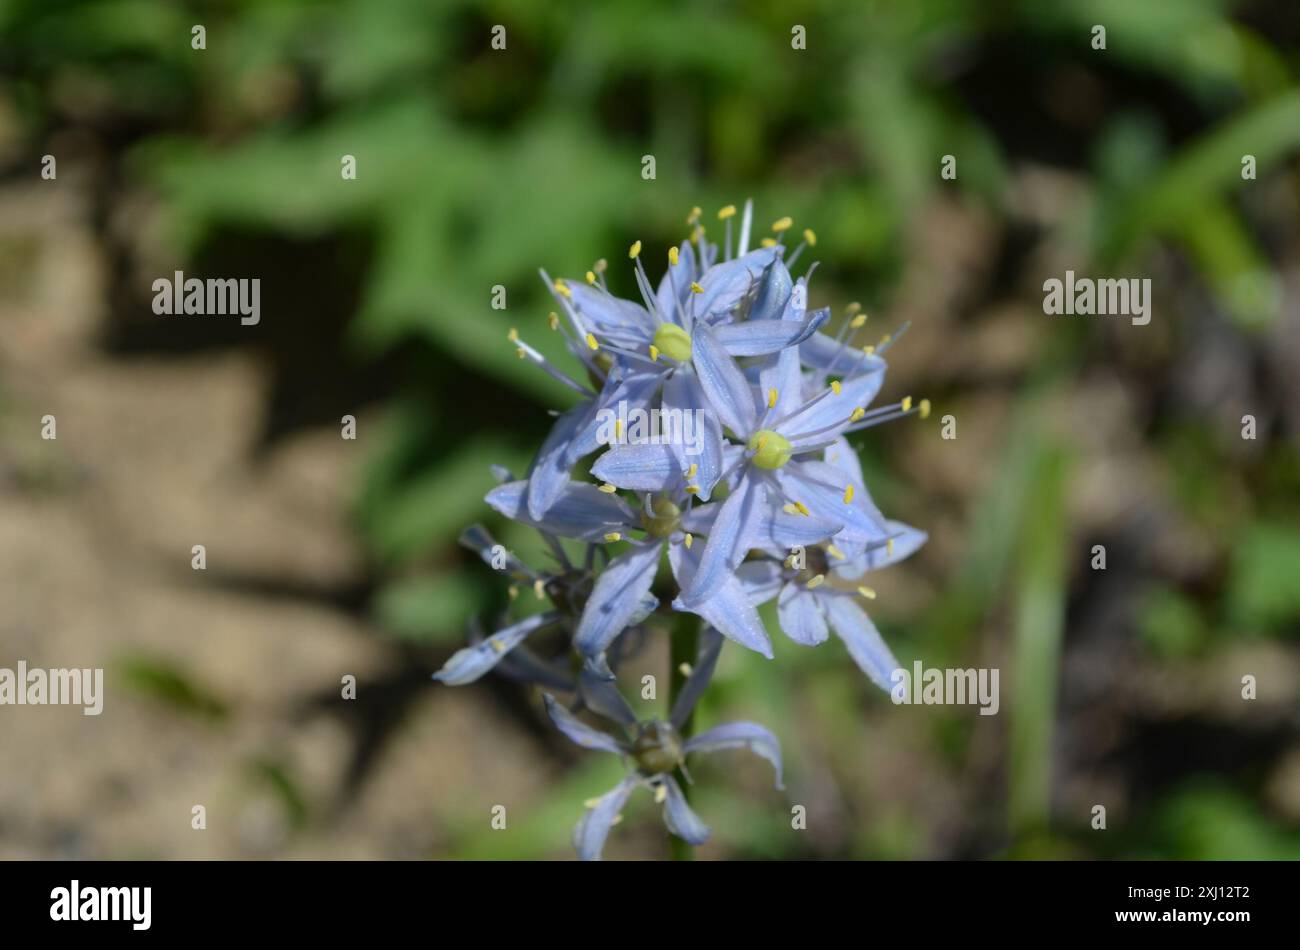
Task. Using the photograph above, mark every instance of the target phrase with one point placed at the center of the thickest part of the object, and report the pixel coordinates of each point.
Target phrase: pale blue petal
(580, 510)
(740, 735)
(683, 393)
(733, 532)
(593, 828)
(820, 487)
(629, 392)
(640, 468)
(824, 353)
(706, 658)
(761, 580)
(730, 608)
(600, 310)
(907, 541)
(726, 285)
(773, 293)
(578, 731)
(468, 664)
(852, 625)
(801, 615)
(678, 816)
(723, 383)
(616, 598)
(761, 337)
(550, 469)
(809, 426)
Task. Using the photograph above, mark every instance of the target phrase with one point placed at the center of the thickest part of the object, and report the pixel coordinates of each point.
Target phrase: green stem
(684, 643)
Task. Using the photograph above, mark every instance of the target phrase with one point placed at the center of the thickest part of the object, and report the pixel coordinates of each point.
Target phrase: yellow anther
(800, 507)
(925, 408)
(673, 255)
(690, 472)
(591, 341)
(512, 591)
(696, 288)
(634, 250)
(772, 396)
(857, 321)
(889, 547)
(907, 403)
(553, 319)
(513, 335)
(684, 669)
(790, 509)
(692, 489)
(869, 350)
(816, 582)
(782, 224)
(835, 552)
(848, 493)
(591, 803)
(886, 339)
(591, 277)
(810, 236)
(727, 212)
(852, 308)
(613, 536)
(867, 592)
(688, 540)
(608, 489)
(497, 645)
(654, 353)
(837, 387)
(539, 589)
(768, 242)
(600, 266)
(521, 353)
(857, 414)
(562, 288)
(694, 215)
(661, 793)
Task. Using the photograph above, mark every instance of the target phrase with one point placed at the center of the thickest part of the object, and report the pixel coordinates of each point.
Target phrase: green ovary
(771, 449)
(672, 340)
(663, 518)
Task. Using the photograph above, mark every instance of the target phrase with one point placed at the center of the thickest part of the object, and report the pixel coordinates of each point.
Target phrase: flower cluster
(766, 502)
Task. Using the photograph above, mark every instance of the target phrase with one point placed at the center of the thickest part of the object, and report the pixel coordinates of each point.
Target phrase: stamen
(684, 669)
(816, 582)
(694, 216)
(782, 224)
(835, 552)
(810, 236)
(889, 546)
(867, 592)
(634, 251)
(925, 409)
(661, 794)
(539, 589)
(688, 540)
(690, 472)
(728, 212)
(907, 403)
(608, 489)
(836, 386)
(654, 353)
(768, 242)
(858, 321)
(857, 414)
(696, 288)
(591, 342)
(848, 493)
(497, 645)
(553, 319)
(673, 255)
(772, 396)
(613, 536)
(563, 289)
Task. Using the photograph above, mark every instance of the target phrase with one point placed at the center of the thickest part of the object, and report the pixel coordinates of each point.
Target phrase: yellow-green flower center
(662, 519)
(672, 340)
(771, 449)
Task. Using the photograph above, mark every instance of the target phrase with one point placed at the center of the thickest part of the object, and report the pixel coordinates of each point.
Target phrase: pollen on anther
(848, 493)
(673, 255)
(837, 387)
(816, 582)
(692, 489)
(688, 540)
(591, 341)
(782, 224)
(513, 335)
(521, 352)
(693, 216)
(768, 242)
(867, 592)
(690, 472)
(512, 591)
(889, 547)
(591, 277)
(608, 489)
(835, 552)
(613, 536)
(907, 403)
(498, 645)
(661, 793)
(925, 408)
(600, 266)
(634, 250)
(654, 353)
(562, 288)
(539, 589)
(684, 669)
(869, 350)
(696, 288)
(858, 321)
(810, 236)
(553, 319)
(772, 396)
(802, 508)
(790, 509)
(727, 212)
(857, 414)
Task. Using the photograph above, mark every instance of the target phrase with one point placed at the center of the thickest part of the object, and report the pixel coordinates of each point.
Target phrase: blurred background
(326, 557)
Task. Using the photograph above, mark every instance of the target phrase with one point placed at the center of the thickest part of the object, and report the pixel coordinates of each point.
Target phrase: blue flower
(653, 750)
